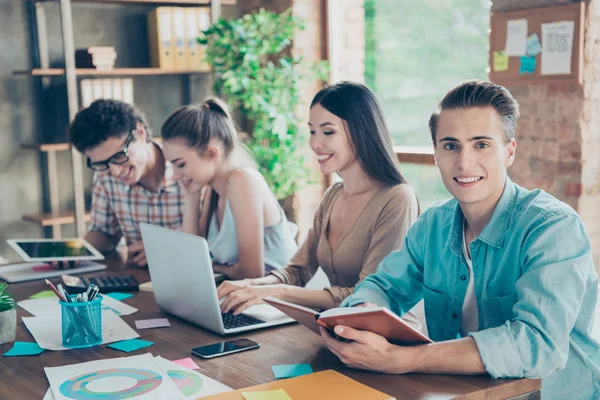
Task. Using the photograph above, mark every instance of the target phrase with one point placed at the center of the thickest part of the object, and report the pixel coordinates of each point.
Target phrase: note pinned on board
(278, 394)
(24, 349)
(557, 47)
(130, 345)
(500, 61)
(291, 370)
(43, 294)
(516, 37)
(534, 47)
(527, 65)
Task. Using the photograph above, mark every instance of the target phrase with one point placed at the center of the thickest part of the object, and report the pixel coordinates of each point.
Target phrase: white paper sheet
(49, 395)
(47, 331)
(116, 375)
(516, 37)
(50, 307)
(191, 384)
(557, 47)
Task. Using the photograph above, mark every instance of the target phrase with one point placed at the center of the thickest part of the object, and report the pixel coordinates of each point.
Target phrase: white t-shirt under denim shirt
(469, 321)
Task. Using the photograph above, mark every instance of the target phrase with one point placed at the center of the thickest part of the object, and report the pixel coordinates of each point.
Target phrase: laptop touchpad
(265, 313)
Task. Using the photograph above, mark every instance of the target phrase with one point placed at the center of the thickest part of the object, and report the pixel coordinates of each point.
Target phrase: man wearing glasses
(132, 182)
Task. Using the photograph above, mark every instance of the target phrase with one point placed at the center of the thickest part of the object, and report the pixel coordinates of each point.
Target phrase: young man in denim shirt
(506, 273)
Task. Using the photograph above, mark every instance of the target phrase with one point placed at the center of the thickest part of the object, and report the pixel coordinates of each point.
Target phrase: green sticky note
(43, 294)
(278, 394)
(500, 61)
(24, 349)
(291, 370)
(527, 65)
(119, 296)
(130, 345)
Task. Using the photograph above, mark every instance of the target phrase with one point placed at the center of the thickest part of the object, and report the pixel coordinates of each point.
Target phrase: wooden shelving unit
(51, 219)
(422, 155)
(113, 72)
(157, 2)
(56, 218)
(48, 147)
(53, 147)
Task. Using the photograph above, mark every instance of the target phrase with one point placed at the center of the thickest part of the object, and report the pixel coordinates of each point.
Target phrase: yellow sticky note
(279, 394)
(500, 61)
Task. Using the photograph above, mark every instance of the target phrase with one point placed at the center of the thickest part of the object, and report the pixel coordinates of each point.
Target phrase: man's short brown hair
(479, 94)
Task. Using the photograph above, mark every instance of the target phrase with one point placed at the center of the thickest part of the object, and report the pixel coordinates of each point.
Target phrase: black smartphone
(224, 348)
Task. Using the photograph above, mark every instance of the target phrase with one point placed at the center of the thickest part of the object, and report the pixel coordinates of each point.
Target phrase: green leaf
(256, 74)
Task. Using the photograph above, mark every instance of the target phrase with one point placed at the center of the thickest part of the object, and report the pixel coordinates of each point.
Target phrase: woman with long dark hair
(359, 221)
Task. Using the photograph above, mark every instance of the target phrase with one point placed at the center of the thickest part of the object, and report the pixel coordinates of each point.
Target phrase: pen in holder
(81, 322)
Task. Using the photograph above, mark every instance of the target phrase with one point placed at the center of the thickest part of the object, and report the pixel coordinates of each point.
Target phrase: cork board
(535, 18)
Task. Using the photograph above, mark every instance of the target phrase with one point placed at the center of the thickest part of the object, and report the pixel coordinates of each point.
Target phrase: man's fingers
(352, 334)
(140, 258)
(136, 247)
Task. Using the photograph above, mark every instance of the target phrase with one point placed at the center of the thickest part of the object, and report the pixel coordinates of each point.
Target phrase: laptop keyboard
(231, 321)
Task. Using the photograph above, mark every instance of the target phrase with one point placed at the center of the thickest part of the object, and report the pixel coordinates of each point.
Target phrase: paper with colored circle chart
(192, 384)
(138, 377)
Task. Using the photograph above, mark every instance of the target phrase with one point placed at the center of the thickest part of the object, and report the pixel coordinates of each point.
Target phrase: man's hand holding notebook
(375, 319)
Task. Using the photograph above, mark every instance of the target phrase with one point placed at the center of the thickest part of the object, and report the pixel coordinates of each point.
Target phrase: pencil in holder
(81, 323)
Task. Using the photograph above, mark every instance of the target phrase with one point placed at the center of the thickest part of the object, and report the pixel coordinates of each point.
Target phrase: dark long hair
(357, 105)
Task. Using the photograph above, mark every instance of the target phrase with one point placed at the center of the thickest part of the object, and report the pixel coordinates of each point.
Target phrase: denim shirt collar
(494, 232)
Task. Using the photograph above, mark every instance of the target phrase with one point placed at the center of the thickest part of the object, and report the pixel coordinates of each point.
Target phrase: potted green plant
(256, 74)
(8, 316)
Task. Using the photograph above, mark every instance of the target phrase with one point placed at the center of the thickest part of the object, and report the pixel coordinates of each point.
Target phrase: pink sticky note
(187, 362)
(152, 323)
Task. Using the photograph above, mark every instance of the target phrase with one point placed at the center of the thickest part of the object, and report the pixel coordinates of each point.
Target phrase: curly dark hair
(102, 120)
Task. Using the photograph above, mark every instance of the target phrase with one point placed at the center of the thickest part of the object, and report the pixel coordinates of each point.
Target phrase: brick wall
(347, 40)
(557, 136)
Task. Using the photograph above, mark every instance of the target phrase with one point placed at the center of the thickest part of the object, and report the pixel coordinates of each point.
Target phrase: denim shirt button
(463, 277)
(454, 315)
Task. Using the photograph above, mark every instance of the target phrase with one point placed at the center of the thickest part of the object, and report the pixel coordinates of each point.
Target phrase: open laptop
(182, 278)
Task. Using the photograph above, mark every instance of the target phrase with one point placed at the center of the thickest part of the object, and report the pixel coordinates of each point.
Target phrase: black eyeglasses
(118, 158)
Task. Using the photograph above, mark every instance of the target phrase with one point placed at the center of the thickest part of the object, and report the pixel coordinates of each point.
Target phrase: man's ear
(511, 152)
(141, 133)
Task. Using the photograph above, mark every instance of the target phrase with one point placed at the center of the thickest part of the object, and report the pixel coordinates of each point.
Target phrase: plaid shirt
(118, 208)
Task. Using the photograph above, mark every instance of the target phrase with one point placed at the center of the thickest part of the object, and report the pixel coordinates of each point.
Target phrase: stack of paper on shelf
(98, 57)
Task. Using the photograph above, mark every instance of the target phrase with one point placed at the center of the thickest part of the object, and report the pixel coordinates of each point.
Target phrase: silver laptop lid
(182, 277)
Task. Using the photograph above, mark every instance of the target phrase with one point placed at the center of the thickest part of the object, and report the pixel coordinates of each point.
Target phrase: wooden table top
(24, 377)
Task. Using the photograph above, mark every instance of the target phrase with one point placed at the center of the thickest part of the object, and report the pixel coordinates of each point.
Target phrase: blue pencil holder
(81, 323)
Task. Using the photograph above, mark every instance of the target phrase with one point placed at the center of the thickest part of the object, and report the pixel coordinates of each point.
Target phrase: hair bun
(216, 105)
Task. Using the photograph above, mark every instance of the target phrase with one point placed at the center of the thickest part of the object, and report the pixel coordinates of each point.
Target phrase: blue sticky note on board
(291, 370)
(24, 349)
(130, 345)
(119, 296)
(534, 47)
(527, 65)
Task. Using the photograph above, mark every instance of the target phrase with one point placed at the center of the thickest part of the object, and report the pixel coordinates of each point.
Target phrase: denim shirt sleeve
(557, 268)
(397, 284)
